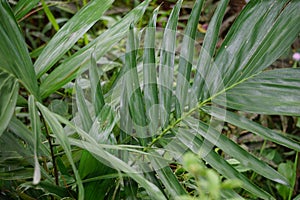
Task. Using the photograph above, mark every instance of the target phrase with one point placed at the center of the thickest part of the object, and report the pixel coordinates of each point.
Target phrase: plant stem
(294, 177)
(52, 151)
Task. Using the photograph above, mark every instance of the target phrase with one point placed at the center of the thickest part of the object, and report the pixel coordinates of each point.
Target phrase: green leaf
(9, 88)
(22, 132)
(49, 15)
(149, 74)
(63, 140)
(14, 56)
(234, 150)
(36, 129)
(83, 110)
(286, 169)
(274, 92)
(67, 71)
(256, 38)
(68, 35)
(96, 90)
(23, 7)
(113, 161)
(94, 189)
(186, 57)
(207, 53)
(134, 94)
(166, 65)
(167, 177)
(185, 136)
(254, 127)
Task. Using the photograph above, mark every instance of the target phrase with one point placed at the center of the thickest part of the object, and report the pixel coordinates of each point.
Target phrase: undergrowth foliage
(127, 137)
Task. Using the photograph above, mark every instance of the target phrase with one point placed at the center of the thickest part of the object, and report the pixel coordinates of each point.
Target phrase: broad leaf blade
(70, 33)
(9, 88)
(14, 56)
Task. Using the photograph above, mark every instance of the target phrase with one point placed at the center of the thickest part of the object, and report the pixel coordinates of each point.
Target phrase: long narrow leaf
(83, 109)
(166, 65)
(274, 92)
(9, 93)
(135, 100)
(166, 175)
(234, 150)
(96, 90)
(149, 74)
(23, 7)
(105, 157)
(70, 33)
(254, 127)
(186, 57)
(207, 52)
(36, 129)
(67, 71)
(62, 138)
(187, 138)
(14, 56)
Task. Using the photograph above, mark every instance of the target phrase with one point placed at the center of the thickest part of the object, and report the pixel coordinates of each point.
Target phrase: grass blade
(83, 109)
(50, 16)
(23, 7)
(106, 157)
(135, 99)
(167, 177)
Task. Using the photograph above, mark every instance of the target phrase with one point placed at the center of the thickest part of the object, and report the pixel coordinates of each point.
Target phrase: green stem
(51, 151)
(294, 176)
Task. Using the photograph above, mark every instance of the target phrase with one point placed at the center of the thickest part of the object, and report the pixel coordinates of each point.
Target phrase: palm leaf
(59, 133)
(14, 56)
(36, 128)
(67, 71)
(280, 83)
(9, 93)
(166, 65)
(69, 34)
